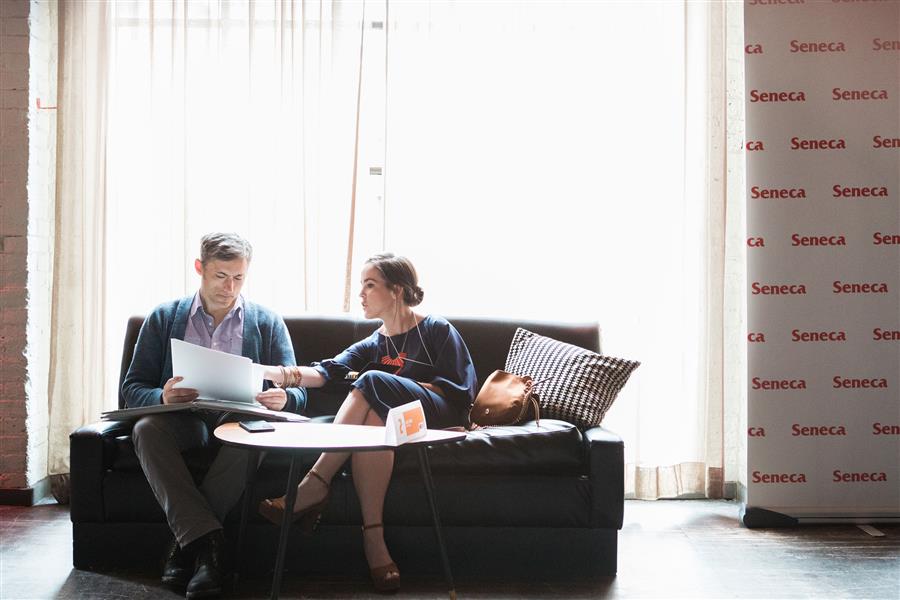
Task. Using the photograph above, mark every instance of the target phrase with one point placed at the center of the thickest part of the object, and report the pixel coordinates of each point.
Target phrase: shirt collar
(237, 310)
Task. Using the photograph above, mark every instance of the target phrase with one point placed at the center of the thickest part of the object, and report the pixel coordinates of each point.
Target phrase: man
(216, 317)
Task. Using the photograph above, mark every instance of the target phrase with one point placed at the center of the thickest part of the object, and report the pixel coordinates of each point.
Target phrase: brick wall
(28, 50)
(14, 63)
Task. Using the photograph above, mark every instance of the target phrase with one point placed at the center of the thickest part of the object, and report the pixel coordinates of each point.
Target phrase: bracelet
(290, 377)
(296, 376)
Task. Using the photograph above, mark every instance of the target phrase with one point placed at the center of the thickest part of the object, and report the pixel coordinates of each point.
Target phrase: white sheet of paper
(216, 375)
(258, 375)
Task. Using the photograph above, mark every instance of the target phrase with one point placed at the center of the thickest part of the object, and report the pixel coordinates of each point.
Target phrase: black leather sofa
(515, 501)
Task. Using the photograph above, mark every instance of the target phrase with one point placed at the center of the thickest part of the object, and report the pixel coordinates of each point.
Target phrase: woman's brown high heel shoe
(273, 509)
(386, 579)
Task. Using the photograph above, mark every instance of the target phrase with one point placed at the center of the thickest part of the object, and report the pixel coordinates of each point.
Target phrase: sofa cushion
(577, 385)
(488, 339)
(554, 448)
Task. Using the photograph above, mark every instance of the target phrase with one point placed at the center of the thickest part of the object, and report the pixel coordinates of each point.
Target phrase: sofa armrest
(606, 464)
(92, 449)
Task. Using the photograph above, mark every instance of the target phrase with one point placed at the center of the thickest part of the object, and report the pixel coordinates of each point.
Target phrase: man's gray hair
(224, 246)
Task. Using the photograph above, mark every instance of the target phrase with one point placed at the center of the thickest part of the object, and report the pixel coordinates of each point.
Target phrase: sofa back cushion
(316, 337)
(132, 329)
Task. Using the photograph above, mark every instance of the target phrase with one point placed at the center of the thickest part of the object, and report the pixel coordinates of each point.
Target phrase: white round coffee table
(296, 439)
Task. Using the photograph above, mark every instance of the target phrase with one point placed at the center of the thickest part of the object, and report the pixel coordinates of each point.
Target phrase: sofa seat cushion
(553, 448)
(198, 460)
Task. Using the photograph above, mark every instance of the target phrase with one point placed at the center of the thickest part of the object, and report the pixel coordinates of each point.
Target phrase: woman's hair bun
(412, 295)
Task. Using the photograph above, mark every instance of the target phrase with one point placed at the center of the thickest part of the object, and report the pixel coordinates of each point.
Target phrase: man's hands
(174, 395)
(273, 398)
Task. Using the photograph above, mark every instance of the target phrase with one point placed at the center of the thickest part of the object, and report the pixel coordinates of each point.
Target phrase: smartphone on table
(257, 426)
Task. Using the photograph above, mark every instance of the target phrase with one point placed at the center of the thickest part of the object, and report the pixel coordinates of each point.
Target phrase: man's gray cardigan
(266, 341)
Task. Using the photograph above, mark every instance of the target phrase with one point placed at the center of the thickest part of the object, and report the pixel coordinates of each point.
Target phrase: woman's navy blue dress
(434, 353)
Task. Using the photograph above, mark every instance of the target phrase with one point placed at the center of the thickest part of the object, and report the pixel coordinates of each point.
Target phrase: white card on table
(405, 423)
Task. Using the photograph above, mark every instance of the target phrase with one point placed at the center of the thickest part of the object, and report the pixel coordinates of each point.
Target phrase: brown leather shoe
(273, 509)
(386, 578)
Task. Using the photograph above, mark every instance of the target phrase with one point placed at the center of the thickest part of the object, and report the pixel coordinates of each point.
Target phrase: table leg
(425, 467)
(249, 480)
(290, 497)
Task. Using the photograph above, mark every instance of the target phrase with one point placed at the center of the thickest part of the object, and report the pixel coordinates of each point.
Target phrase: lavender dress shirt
(227, 337)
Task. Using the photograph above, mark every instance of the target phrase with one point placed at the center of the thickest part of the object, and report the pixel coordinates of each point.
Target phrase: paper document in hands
(225, 383)
(216, 375)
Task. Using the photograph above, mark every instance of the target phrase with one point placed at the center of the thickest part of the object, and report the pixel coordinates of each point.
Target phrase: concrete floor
(667, 549)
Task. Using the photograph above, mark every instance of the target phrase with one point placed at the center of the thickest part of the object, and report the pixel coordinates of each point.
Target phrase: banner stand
(822, 152)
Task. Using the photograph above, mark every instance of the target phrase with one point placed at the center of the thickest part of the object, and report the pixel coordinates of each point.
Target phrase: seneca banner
(822, 152)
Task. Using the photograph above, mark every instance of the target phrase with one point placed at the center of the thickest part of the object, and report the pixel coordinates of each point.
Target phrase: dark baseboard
(28, 496)
(17, 496)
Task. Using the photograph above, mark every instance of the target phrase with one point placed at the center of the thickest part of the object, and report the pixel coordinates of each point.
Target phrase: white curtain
(232, 116)
(566, 160)
(545, 160)
(78, 358)
(181, 117)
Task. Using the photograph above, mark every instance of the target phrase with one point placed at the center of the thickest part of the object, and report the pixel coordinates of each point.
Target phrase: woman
(426, 360)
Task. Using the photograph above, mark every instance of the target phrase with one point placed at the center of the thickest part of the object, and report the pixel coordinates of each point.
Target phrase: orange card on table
(413, 420)
(405, 423)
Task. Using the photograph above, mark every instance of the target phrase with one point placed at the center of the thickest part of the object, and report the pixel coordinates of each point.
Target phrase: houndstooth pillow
(583, 385)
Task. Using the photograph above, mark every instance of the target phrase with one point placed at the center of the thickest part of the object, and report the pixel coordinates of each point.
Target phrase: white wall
(41, 196)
